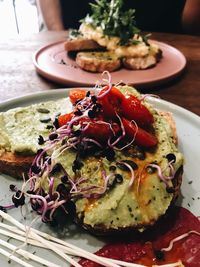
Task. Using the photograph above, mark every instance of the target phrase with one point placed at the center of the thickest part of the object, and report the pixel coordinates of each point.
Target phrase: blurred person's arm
(191, 17)
(51, 12)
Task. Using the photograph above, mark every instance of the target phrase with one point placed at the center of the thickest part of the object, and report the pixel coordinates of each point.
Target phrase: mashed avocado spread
(21, 127)
(116, 190)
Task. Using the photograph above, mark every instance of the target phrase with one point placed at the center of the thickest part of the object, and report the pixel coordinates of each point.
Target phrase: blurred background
(18, 17)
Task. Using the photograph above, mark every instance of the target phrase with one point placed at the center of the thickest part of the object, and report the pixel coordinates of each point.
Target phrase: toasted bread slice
(142, 63)
(80, 44)
(98, 61)
(15, 165)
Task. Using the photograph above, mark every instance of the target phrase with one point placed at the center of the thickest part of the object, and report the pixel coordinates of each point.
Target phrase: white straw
(14, 258)
(27, 254)
(39, 238)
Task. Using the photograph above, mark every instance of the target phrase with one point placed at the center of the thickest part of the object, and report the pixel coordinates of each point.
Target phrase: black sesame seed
(170, 190)
(94, 99)
(112, 168)
(64, 193)
(41, 140)
(56, 123)
(109, 154)
(45, 120)
(18, 199)
(88, 93)
(171, 157)
(12, 187)
(159, 254)
(71, 208)
(49, 127)
(35, 169)
(64, 179)
(53, 136)
(78, 112)
(77, 165)
(119, 178)
(56, 168)
(91, 114)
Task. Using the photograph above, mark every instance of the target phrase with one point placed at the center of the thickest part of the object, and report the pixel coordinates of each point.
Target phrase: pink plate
(53, 63)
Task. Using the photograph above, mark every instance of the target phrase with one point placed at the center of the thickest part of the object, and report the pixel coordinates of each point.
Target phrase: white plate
(188, 128)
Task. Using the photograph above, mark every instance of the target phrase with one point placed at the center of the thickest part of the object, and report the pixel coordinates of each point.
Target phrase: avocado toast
(107, 164)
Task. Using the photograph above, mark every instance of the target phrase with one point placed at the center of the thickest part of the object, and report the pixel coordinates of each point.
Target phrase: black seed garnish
(94, 99)
(45, 120)
(71, 208)
(43, 110)
(18, 199)
(112, 168)
(159, 255)
(49, 127)
(88, 93)
(56, 123)
(53, 136)
(64, 179)
(41, 140)
(170, 190)
(35, 169)
(64, 192)
(78, 112)
(91, 114)
(118, 178)
(122, 166)
(39, 151)
(171, 157)
(12, 187)
(109, 154)
(56, 168)
(77, 165)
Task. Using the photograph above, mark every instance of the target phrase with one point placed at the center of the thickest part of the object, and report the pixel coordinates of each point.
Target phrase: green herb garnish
(114, 20)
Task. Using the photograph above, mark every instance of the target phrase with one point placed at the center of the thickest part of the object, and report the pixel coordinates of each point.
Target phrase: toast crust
(80, 44)
(15, 165)
(98, 61)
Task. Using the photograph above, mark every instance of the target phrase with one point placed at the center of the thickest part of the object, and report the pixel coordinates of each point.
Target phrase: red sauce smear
(144, 249)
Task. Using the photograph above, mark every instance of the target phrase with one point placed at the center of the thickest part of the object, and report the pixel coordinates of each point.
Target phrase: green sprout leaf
(114, 20)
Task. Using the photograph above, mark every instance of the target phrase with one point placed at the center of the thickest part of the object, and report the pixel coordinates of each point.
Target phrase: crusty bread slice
(98, 61)
(142, 63)
(15, 165)
(80, 44)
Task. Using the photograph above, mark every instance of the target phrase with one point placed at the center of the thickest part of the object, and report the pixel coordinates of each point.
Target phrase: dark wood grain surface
(18, 76)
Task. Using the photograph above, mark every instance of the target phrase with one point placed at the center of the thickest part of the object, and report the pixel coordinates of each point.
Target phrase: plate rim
(61, 91)
(142, 84)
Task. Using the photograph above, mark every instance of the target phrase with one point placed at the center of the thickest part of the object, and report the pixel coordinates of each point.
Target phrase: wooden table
(18, 76)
